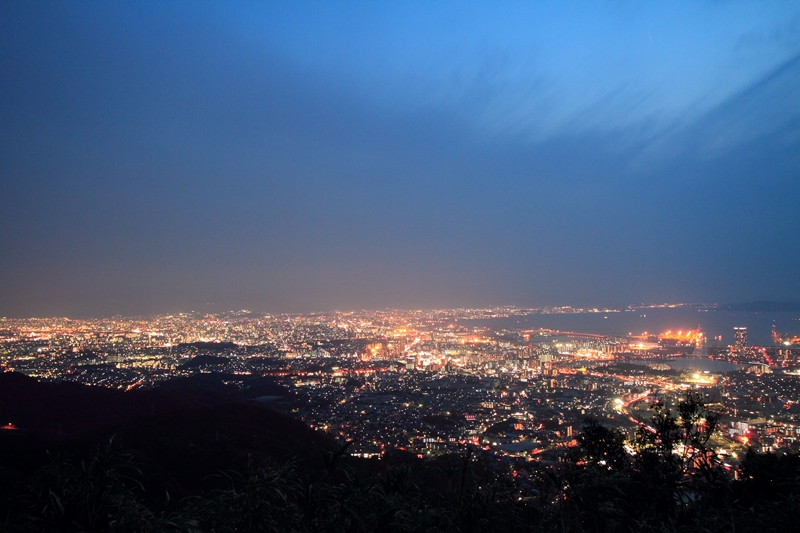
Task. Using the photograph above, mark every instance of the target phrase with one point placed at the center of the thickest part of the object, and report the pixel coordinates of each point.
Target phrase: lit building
(740, 339)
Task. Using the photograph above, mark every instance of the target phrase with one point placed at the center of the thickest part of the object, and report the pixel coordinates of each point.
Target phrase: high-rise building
(740, 339)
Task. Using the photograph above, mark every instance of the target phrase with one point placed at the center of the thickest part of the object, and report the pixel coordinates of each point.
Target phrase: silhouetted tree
(601, 446)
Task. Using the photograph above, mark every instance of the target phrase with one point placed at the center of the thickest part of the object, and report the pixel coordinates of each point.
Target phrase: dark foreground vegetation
(216, 468)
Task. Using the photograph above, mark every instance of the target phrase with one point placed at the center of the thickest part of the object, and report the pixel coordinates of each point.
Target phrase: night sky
(290, 157)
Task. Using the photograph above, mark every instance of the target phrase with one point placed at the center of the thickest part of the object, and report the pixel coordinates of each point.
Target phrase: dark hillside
(181, 432)
(192, 444)
(71, 408)
(68, 408)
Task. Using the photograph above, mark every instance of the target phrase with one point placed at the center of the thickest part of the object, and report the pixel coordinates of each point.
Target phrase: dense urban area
(431, 382)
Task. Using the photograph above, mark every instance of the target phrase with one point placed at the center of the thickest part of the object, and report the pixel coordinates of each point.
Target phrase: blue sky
(536, 68)
(166, 156)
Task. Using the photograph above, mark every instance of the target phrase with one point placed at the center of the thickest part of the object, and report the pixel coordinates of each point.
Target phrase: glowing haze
(167, 156)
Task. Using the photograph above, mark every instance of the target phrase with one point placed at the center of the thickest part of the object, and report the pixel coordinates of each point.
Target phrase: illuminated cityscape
(432, 381)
